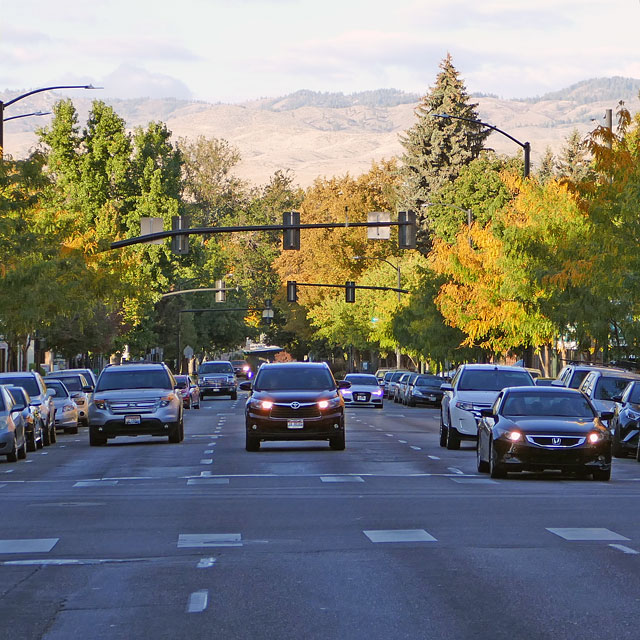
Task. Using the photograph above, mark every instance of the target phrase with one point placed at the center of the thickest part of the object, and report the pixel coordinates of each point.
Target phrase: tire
(453, 438)
(46, 435)
(379, 406)
(252, 443)
(234, 395)
(181, 430)
(483, 465)
(96, 439)
(187, 405)
(617, 450)
(443, 432)
(174, 433)
(22, 451)
(411, 402)
(602, 475)
(12, 456)
(52, 434)
(31, 442)
(638, 451)
(337, 442)
(496, 470)
(40, 442)
(71, 430)
(197, 406)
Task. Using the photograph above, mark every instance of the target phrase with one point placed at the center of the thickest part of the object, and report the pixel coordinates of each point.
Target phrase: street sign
(152, 225)
(378, 233)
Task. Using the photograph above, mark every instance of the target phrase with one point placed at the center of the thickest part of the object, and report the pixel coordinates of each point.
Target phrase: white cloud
(129, 81)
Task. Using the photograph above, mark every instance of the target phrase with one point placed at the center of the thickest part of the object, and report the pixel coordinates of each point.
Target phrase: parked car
(572, 375)
(533, 429)
(403, 385)
(87, 373)
(216, 377)
(603, 385)
(473, 388)
(380, 373)
(80, 390)
(424, 388)
(392, 382)
(625, 422)
(134, 400)
(32, 425)
(45, 410)
(67, 415)
(13, 437)
(364, 391)
(190, 392)
(294, 401)
(242, 368)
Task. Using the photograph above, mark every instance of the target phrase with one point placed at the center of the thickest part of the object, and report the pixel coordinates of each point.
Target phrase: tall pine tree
(437, 148)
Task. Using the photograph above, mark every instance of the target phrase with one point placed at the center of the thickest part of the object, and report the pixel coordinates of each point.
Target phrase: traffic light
(221, 294)
(407, 232)
(267, 313)
(292, 291)
(350, 291)
(179, 244)
(291, 236)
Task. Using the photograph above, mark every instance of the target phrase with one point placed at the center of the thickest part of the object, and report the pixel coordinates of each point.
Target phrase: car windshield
(492, 380)
(370, 381)
(216, 367)
(113, 379)
(547, 404)
(28, 383)
(238, 363)
(578, 377)
(1, 402)
(428, 381)
(608, 387)
(73, 383)
(182, 382)
(299, 378)
(59, 387)
(397, 375)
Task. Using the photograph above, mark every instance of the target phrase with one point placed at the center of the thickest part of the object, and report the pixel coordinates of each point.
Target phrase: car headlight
(166, 400)
(514, 436)
(377, 392)
(633, 415)
(68, 407)
(329, 404)
(594, 437)
(465, 406)
(100, 404)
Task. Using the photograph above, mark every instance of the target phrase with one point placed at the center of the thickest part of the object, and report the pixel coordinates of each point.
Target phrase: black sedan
(538, 428)
(626, 420)
(295, 401)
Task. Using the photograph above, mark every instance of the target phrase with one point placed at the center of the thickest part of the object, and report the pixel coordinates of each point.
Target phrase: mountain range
(316, 134)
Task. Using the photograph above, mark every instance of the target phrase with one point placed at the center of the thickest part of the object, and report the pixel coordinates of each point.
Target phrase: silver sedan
(365, 391)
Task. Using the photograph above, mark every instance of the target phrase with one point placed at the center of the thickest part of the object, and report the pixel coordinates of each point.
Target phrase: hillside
(324, 134)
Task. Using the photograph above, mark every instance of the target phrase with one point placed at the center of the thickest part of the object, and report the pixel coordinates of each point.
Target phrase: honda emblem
(556, 441)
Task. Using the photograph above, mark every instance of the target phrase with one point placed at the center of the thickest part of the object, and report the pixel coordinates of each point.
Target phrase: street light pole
(397, 268)
(525, 145)
(8, 103)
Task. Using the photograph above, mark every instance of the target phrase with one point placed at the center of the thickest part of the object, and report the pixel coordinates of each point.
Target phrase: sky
(237, 50)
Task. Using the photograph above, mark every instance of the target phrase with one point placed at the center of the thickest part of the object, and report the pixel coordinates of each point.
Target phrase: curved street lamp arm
(26, 115)
(396, 267)
(65, 86)
(484, 124)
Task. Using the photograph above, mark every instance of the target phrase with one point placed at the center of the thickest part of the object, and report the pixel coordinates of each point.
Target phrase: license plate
(216, 389)
(432, 398)
(295, 424)
(361, 398)
(132, 419)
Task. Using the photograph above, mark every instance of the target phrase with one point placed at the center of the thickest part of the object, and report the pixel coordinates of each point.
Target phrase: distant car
(402, 386)
(424, 388)
(34, 385)
(544, 382)
(538, 428)
(67, 415)
(217, 377)
(190, 392)
(364, 391)
(294, 401)
(87, 373)
(625, 423)
(13, 437)
(32, 425)
(602, 386)
(380, 374)
(80, 390)
(242, 368)
(473, 388)
(573, 374)
(135, 400)
(391, 382)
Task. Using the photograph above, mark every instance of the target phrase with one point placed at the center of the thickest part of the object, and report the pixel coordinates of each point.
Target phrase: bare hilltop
(325, 134)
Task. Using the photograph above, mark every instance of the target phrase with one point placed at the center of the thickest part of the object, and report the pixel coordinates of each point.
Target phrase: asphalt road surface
(393, 538)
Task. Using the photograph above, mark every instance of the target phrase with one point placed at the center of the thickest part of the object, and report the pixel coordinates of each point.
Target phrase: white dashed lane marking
(206, 461)
(341, 479)
(96, 483)
(205, 563)
(455, 470)
(402, 441)
(399, 535)
(586, 533)
(415, 448)
(433, 457)
(207, 480)
(208, 451)
(198, 601)
(34, 545)
(627, 550)
(198, 540)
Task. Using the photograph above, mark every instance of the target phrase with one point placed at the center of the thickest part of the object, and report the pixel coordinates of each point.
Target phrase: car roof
(497, 367)
(297, 365)
(18, 374)
(544, 389)
(619, 373)
(133, 367)
(216, 361)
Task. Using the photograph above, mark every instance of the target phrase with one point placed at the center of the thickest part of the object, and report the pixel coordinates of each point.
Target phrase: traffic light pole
(355, 286)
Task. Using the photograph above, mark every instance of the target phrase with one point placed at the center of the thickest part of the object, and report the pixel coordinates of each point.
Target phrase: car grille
(133, 406)
(287, 411)
(556, 441)
(216, 381)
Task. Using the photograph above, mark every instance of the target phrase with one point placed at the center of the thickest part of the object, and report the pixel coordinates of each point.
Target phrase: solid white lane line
(206, 461)
(586, 533)
(207, 480)
(455, 470)
(433, 457)
(415, 448)
(341, 479)
(9, 470)
(96, 483)
(198, 601)
(205, 563)
(197, 540)
(627, 550)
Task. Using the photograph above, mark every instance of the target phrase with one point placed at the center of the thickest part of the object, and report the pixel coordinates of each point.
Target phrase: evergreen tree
(436, 149)
(574, 161)
(547, 169)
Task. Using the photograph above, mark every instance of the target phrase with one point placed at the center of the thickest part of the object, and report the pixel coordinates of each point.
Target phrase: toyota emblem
(295, 405)
(556, 440)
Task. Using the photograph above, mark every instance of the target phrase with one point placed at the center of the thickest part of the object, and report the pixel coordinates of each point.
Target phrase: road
(393, 538)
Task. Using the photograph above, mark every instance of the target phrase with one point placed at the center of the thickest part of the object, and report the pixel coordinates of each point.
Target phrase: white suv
(473, 388)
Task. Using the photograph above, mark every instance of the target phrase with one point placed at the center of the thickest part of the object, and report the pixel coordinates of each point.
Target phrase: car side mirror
(245, 386)
(87, 389)
(76, 394)
(617, 398)
(344, 384)
(487, 413)
(18, 407)
(446, 387)
(606, 415)
(51, 393)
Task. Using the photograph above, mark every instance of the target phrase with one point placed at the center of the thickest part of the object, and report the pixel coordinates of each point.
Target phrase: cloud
(139, 48)
(129, 81)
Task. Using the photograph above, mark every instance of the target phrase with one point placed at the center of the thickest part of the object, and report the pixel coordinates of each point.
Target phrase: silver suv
(135, 400)
(217, 377)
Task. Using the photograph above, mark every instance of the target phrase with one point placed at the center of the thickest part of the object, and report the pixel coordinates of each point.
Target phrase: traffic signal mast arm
(357, 286)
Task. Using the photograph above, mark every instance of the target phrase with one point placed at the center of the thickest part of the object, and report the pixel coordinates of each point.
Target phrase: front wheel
(617, 450)
(71, 430)
(252, 443)
(175, 433)
(496, 470)
(443, 432)
(31, 442)
(453, 437)
(22, 451)
(337, 442)
(12, 456)
(602, 475)
(96, 439)
(46, 435)
(483, 465)
(234, 395)
(52, 434)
